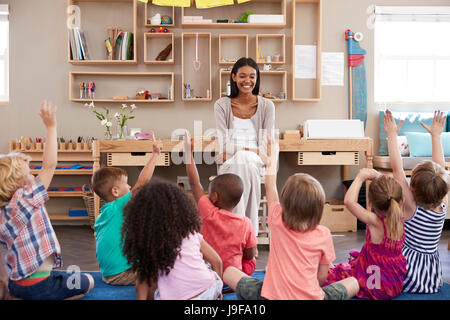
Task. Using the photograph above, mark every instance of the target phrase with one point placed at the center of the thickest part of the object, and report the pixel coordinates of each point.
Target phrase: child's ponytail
(394, 222)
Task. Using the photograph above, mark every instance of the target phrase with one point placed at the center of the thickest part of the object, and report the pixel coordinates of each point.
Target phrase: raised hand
(157, 145)
(48, 114)
(390, 127)
(437, 126)
(368, 174)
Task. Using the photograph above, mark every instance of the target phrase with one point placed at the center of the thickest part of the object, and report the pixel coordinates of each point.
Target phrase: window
(412, 54)
(4, 54)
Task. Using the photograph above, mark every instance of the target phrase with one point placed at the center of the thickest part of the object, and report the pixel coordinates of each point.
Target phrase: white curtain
(412, 54)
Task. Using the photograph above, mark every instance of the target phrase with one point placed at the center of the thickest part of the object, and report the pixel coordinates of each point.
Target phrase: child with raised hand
(380, 267)
(162, 243)
(425, 207)
(301, 250)
(25, 228)
(230, 234)
(111, 184)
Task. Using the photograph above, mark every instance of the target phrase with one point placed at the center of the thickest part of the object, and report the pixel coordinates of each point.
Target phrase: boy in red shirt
(230, 234)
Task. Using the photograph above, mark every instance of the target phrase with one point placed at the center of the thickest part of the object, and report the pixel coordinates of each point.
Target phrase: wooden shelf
(164, 11)
(261, 47)
(233, 12)
(311, 11)
(94, 36)
(104, 85)
(65, 194)
(63, 217)
(68, 172)
(159, 37)
(197, 79)
(235, 45)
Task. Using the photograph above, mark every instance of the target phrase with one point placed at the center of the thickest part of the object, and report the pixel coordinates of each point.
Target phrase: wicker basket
(88, 198)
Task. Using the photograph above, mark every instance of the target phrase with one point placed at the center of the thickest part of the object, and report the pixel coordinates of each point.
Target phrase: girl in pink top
(380, 267)
(301, 250)
(161, 241)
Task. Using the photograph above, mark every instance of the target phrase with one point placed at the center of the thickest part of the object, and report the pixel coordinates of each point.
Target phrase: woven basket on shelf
(88, 198)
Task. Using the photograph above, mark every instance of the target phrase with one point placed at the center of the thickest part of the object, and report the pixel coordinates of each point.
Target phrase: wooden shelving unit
(269, 45)
(96, 32)
(161, 38)
(263, 74)
(234, 12)
(154, 9)
(235, 43)
(304, 11)
(202, 77)
(106, 88)
(79, 153)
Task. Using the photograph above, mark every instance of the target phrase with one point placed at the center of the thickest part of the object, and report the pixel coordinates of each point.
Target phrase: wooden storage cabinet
(135, 159)
(76, 154)
(109, 84)
(337, 218)
(96, 17)
(328, 158)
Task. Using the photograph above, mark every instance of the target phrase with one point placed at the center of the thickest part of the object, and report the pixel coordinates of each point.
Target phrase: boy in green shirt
(111, 185)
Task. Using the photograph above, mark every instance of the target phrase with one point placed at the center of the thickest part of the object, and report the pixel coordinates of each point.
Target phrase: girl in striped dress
(380, 267)
(425, 207)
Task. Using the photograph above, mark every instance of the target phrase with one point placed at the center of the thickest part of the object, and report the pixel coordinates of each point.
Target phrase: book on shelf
(123, 49)
(78, 45)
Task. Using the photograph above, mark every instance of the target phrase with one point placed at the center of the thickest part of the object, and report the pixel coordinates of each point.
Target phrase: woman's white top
(244, 133)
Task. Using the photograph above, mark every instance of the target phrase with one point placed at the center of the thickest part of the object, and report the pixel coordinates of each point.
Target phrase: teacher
(243, 121)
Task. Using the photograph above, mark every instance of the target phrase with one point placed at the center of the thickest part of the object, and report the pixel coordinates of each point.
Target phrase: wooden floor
(78, 248)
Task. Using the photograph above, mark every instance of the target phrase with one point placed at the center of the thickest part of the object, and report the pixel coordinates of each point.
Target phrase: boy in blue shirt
(111, 185)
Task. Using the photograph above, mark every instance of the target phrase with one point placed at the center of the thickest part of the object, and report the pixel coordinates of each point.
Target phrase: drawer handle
(138, 154)
(328, 153)
(337, 209)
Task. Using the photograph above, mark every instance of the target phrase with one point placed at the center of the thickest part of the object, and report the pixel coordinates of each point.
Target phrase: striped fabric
(423, 232)
(379, 268)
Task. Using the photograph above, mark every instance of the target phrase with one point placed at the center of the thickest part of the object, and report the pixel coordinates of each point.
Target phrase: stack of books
(123, 49)
(78, 45)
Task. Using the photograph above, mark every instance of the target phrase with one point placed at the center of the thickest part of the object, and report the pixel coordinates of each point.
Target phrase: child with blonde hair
(162, 243)
(380, 266)
(301, 250)
(425, 207)
(25, 228)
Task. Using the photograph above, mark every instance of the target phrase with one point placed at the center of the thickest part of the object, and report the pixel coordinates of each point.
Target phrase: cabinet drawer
(337, 218)
(136, 159)
(328, 158)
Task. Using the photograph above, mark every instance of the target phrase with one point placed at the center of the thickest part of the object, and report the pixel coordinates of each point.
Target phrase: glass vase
(122, 132)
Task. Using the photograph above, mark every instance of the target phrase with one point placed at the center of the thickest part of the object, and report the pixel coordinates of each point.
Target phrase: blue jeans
(54, 287)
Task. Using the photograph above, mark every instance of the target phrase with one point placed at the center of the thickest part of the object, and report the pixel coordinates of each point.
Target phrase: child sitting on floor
(111, 184)
(425, 207)
(230, 234)
(163, 244)
(25, 228)
(301, 250)
(380, 267)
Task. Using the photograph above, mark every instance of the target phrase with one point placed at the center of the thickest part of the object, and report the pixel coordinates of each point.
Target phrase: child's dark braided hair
(156, 220)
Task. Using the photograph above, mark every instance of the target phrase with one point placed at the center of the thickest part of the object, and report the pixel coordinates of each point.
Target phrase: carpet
(103, 291)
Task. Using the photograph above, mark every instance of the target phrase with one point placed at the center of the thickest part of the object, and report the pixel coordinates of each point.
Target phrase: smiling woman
(243, 120)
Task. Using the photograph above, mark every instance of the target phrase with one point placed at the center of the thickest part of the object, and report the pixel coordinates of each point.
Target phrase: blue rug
(103, 291)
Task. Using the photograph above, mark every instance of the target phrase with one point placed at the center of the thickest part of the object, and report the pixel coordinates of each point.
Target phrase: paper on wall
(305, 62)
(332, 68)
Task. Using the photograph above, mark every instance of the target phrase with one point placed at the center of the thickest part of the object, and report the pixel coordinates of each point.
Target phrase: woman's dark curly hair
(156, 220)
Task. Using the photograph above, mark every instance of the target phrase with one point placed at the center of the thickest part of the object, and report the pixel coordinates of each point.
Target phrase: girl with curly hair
(162, 242)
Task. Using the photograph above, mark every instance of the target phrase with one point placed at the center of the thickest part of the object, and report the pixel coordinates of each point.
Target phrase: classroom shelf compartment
(233, 12)
(151, 9)
(95, 28)
(270, 45)
(200, 80)
(107, 86)
(235, 43)
(160, 38)
(308, 12)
